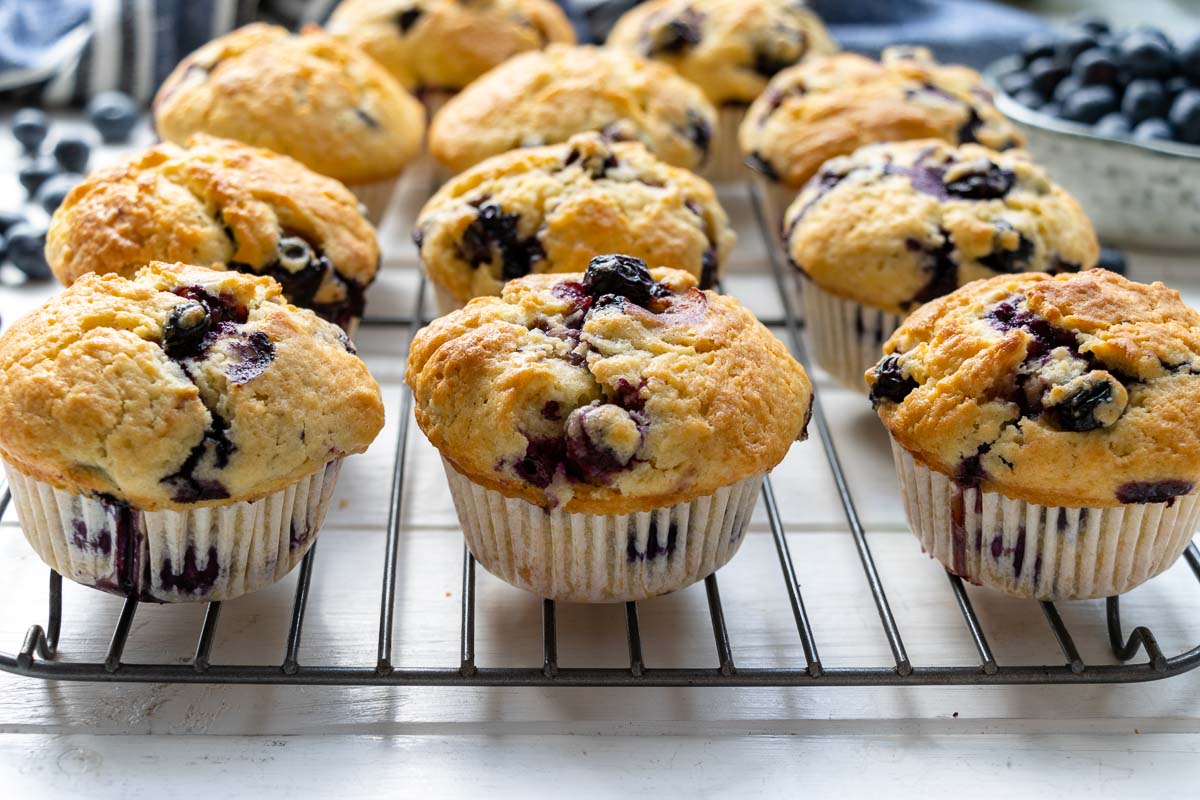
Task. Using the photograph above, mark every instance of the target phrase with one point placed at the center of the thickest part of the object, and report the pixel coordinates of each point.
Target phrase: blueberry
(1095, 24)
(1176, 84)
(1052, 109)
(50, 195)
(72, 153)
(1112, 260)
(1185, 116)
(1067, 87)
(1189, 58)
(185, 329)
(1097, 65)
(407, 18)
(113, 115)
(294, 253)
(1089, 104)
(494, 233)
(1116, 125)
(29, 127)
(3, 248)
(9, 219)
(1016, 82)
(678, 35)
(1030, 99)
(1155, 128)
(1045, 73)
(1153, 491)
(988, 181)
(1146, 55)
(1074, 41)
(1144, 98)
(1039, 44)
(26, 250)
(1077, 412)
(620, 275)
(890, 382)
(37, 172)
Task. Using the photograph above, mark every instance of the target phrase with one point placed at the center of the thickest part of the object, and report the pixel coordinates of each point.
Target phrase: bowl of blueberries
(1115, 117)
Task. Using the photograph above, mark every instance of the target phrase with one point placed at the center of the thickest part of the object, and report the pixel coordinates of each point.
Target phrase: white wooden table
(247, 741)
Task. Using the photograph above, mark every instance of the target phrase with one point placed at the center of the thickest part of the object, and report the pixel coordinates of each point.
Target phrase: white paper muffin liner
(376, 197)
(1043, 552)
(725, 161)
(202, 554)
(602, 558)
(846, 337)
(775, 198)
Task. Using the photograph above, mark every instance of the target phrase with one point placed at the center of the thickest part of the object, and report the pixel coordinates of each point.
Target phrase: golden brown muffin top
(184, 386)
(446, 44)
(549, 95)
(608, 392)
(1072, 390)
(729, 48)
(553, 208)
(223, 204)
(306, 95)
(830, 106)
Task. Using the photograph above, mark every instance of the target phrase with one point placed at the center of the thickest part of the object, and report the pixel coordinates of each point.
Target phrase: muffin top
(224, 204)
(608, 392)
(446, 44)
(551, 209)
(729, 48)
(546, 96)
(831, 105)
(1067, 390)
(182, 386)
(896, 225)
(305, 95)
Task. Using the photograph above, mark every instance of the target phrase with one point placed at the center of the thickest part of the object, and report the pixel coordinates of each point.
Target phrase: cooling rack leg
(720, 634)
(987, 660)
(1140, 637)
(803, 628)
(291, 661)
(467, 644)
(44, 642)
(1063, 637)
(549, 640)
(112, 662)
(633, 635)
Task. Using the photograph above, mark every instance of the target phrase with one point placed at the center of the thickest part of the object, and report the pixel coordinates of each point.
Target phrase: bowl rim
(1035, 119)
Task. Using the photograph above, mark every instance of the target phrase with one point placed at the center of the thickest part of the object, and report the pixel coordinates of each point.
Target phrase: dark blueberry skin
(185, 329)
(191, 579)
(698, 132)
(29, 127)
(756, 162)
(37, 172)
(1144, 98)
(1046, 337)
(1052, 109)
(1030, 99)
(1154, 129)
(1096, 66)
(1153, 491)
(1113, 260)
(190, 489)
(890, 385)
(72, 153)
(1075, 42)
(1176, 84)
(1095, 24)
(51, 194)
(1039, 44)
(1067, 87)
(1189, 59)
(989, 184)
(1116, 125)
(256, 352)
(3, 248)
(494, 232)
(27, 251)
(622, 276)
(1045, 74)
(1089, 104)
(1008, 261)
(1016, 82)
(677, 36)
(9, 219)
(1077, 413)
(1185, 116)
(113, 115)
(407, 18)
(1146, 55)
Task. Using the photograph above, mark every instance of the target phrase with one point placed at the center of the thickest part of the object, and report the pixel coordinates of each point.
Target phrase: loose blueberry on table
(113, 115)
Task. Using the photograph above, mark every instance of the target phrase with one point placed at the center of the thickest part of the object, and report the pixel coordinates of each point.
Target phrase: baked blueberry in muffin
(551, 209)
(227, 205)
(629, 418)
(546, 97)
(1050, 416)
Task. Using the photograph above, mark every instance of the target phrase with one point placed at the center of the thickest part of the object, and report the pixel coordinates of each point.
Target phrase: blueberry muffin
(176, 436)
(832, 105)
(605, 434)
(304, 95)
(1044, 430)
(545, 97)
(895, 225)
(729, 48)
(222, 204)
(551, 209)
(436, 47)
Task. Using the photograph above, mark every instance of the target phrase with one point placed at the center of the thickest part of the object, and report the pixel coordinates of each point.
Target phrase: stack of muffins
(172, 423)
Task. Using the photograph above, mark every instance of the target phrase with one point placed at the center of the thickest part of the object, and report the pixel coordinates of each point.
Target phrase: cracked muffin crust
(551, 209)
(609, 392)
(729, 48)
(895, 225)
(307, 95)
(547, 96)
(178, 388)
(445, 44)
(224, 204)
(1074, 390)
(832, 105)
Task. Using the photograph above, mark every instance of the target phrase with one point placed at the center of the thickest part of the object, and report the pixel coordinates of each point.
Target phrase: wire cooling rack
(1140, 655)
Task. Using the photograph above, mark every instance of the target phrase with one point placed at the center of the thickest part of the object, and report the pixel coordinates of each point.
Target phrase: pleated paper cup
(725, 161)
(376, 197)
(602, 558)
(775, 198)
(202, 554)
(1043, 552)
(846, 337)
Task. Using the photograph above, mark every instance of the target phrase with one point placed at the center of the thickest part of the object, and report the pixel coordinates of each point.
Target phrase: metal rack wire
(37, 656)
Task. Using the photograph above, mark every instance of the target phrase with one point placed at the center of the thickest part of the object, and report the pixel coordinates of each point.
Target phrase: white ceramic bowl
(1144, 195)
